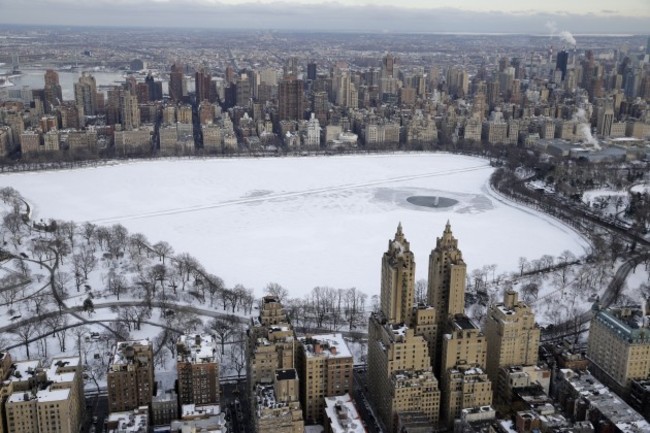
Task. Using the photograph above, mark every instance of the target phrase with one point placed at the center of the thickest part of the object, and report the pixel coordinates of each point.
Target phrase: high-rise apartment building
(619, 346)
(397, 280)
(464, 381)
(198, 370)
(271, 343)
(290, 99)
(399, 335)
(130, 376)
(446, 291)
(276, 408)
(324, 364)
(85, 94)
(176, 83)
(512, 335)
(53, 94)
(203, 86)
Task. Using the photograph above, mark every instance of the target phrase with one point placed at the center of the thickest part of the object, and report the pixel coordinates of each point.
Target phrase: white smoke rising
(567, 37)
(584, 129)
(564, 35)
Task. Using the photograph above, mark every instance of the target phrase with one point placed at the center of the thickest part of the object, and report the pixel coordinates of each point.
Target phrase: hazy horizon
(412, 16)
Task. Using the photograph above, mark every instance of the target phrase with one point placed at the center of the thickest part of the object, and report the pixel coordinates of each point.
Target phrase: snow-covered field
(301, 222)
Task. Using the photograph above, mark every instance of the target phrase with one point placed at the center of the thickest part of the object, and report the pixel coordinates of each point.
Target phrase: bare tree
(79, 333)
(238, 356)
(355, 307)
(42, 329)
(13, 222)
(58, 323)
(68, 229)
(224, 328)
(84, 261)
(277, 291)
(25, 332)
(321, 303)
(247, 301)
(119, 237)
(88, 231)
(102, 235)
(523, 265)
(186, 264)
(215, 286)
(163, 249)
(116, 283)
(421, 287)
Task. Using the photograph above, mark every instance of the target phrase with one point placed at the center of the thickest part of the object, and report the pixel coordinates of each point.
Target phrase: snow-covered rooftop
(136, 421)
(326, 345)
(343, 415)
(197, 348)
(608, 404)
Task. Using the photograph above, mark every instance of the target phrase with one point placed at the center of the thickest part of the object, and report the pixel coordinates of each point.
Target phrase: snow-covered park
(301, 222)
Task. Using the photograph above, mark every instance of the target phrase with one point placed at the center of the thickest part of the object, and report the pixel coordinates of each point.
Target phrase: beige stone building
(512, 335)
(276, 408)
(197, 368)
(464, 381)
(399, 366)
(324, 365)
(619, 346)
(130, 376)
(271, 343)
(397, 280)
(44, 400)
(446, 291)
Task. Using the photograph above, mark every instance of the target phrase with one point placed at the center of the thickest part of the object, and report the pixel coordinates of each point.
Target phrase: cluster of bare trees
(63, 269)
(324, 308)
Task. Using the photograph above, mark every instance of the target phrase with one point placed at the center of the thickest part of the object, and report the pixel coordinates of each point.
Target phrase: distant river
(35, 78)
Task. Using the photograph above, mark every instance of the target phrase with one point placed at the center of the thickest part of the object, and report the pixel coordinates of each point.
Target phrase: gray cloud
(314, 16)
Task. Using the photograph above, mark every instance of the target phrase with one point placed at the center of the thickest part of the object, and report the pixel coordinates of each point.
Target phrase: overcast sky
(491, 16)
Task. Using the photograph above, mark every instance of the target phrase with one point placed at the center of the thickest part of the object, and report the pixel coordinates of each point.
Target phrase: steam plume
(584, 129)
(564, 35)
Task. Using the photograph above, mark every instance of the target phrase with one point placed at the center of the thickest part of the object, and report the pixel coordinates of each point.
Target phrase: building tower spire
(398, 279)
(446, 291)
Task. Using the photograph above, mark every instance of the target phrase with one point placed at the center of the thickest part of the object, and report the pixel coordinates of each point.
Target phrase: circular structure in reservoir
(431, 201)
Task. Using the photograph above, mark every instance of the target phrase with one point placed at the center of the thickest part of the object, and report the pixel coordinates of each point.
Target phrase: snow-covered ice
(301, 222)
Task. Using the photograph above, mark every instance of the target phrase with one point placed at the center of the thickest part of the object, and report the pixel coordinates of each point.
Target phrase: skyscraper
(399, 365)
(203, 82)
(447, 272)
(397, 280)
(85, 94)
(290, 99)
(155, 88)
(388, 65)
(311, 71)
(53, 95)
(446, 291)
(176, 78)
(562, 61)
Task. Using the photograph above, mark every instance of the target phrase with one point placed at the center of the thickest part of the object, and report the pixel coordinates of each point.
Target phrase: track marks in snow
(282, 196)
